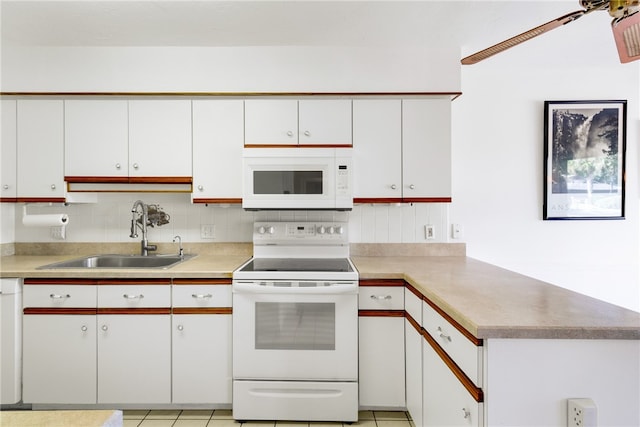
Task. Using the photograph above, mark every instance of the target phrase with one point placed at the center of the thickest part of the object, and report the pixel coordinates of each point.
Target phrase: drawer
(202, 296)
(466, 354)
(134, 296)
(381, 298)
(59, 296)
(413, 305)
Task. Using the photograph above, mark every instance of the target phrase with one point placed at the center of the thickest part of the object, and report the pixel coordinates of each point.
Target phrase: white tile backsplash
(109, 220)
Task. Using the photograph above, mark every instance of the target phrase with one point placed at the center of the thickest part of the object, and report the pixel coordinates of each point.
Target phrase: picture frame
(584, 159)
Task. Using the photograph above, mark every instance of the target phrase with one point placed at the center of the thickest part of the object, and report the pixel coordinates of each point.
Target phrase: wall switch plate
(456, 231)
(581, 413)
(207, 231)
(429, 232)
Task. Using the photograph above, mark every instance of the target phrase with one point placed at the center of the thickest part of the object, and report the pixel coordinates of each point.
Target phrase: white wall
(498, 179)
(497, 155)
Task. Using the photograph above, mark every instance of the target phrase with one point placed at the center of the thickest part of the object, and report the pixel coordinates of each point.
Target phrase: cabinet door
(8, 149)
(96, 137)
(160, 138)
(324, 121)
(40, 149)
(381, 357)
(218, 138)
(445, 400)
(59, 359)
(201, 358)
(426, 148)
(134, 358)
(413, 356)
(377, 148)
(271, 121)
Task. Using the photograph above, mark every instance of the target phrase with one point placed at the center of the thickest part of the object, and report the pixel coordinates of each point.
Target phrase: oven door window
(295, 326)
(287, 182)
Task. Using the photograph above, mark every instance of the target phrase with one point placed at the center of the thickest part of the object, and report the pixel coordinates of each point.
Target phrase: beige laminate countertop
(490, 302)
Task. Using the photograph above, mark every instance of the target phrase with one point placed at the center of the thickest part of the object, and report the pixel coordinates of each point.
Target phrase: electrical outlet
(581, 413)
(457, 231)
(207, 231)
(429, 232)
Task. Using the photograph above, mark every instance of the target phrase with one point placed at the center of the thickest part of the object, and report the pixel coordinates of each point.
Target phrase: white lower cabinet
(59, 359)
(134, 358)
(446, 402)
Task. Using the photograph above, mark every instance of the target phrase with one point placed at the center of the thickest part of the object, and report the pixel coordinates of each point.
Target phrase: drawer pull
(105, 328)
(466, 412)
(127, 296)
(202, 296)
(380, 297)
(83, 328)
(180, 327)
(443, 335)
(56, 296)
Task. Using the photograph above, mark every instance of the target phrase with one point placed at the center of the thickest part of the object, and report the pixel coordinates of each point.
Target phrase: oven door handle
(336, 289)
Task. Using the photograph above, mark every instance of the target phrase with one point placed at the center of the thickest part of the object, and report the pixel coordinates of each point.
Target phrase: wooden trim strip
(221, 281)
(219, 201)
(127, 310)
(377, 200)
(160, 180)
(382, 282)
(454, 323)
(202, 310)
(8, 200)
(381, 313)
(413, 290)
(413, 323)
(150, 281)
(475, 392)
(58, 310)
(97, 179)
(402, 200)
(60, 281)
(40, 200)
(234, 94)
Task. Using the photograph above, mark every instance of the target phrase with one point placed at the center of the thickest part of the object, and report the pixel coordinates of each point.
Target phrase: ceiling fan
(625, 26)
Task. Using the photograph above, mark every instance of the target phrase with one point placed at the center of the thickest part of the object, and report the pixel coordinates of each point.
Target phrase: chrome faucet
(180, 250)
(145, 247)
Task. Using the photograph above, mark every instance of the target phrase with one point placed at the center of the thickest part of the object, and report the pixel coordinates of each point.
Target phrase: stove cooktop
(334, 265)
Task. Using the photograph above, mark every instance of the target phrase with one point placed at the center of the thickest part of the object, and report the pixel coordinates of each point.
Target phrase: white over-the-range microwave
(297, 178)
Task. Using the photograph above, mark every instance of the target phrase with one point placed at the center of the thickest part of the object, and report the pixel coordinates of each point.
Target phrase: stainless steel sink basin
(120, 261)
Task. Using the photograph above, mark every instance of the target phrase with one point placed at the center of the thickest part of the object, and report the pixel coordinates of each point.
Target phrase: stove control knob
(331, 230)
(262, 230)
(271, 230)
(339, 229)
(320, 229)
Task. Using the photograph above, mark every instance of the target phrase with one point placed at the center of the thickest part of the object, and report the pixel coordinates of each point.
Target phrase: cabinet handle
(53, 186)
(135, 166)
(118, 166)
(307, 133)
(56, 296)
(393, 186)
(380, 297)
(411, 186)
(83, 328)
(180, 327)
(104, 327)
(201, 296)
(289, 133)
(200, 187)
(443, 335)
(127, 296)
(466, 413)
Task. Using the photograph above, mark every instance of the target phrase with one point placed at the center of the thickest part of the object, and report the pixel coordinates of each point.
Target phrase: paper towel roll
(49, 220)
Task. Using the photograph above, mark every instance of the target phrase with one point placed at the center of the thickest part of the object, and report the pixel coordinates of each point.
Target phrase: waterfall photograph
(584, 159)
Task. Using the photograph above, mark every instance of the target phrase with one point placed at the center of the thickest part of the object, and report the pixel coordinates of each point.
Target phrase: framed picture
(584, 159)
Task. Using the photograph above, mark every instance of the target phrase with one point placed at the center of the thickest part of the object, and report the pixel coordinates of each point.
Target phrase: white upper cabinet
(426, 148)
(292, 122)
(160, 138)
(218, 139)
(377, 148)
(40, 150)
(8, 150)
(402, 149)
(96, 138)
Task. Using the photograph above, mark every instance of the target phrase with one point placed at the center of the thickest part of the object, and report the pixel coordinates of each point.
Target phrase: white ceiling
(470, 24)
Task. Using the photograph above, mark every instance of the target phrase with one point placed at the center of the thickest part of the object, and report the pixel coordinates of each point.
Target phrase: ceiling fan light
(626, 33)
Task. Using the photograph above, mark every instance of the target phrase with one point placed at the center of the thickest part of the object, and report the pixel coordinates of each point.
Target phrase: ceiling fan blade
(523, 37)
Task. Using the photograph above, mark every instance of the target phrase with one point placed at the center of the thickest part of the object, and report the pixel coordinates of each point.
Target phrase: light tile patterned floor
(223, 418)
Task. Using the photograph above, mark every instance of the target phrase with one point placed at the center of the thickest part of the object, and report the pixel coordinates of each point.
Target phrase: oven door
(295, 333)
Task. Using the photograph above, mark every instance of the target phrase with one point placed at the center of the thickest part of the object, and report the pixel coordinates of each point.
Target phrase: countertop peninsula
(490, 302)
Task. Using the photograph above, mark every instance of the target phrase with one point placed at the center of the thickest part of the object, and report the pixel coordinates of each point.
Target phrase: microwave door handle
(249, 288)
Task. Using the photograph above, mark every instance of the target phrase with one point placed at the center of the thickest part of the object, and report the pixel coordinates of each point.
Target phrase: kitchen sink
(120, 261)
